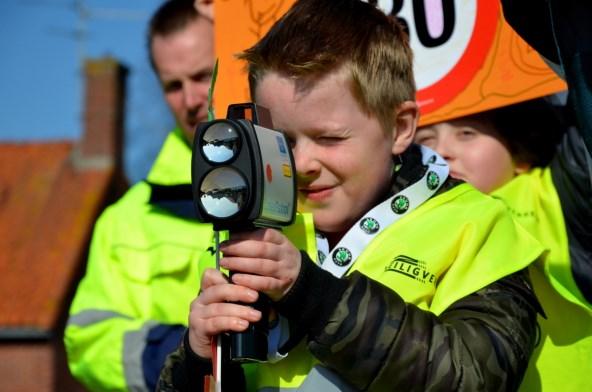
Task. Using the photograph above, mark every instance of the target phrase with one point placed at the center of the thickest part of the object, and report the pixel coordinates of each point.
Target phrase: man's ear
(205, 8)
(407, 116)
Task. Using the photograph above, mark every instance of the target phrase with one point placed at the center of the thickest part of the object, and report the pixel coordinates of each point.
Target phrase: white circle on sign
(432, 64)
(450, 41)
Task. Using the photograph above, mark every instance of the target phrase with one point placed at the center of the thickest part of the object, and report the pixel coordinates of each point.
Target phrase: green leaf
(211, 114)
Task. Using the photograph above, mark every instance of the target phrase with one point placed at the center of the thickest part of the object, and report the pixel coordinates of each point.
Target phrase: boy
(511, 152)
(434, 295)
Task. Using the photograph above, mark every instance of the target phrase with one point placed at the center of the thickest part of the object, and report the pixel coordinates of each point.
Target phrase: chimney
(101, 144)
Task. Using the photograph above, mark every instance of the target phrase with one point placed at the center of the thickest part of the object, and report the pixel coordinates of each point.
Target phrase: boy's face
(474, 151)
(343, 157)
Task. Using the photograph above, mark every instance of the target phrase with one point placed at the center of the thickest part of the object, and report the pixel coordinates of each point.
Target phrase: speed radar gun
(243, 177)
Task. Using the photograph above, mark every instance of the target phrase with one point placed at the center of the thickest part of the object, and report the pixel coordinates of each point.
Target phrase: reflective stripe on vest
(93, 316)
(134, 343)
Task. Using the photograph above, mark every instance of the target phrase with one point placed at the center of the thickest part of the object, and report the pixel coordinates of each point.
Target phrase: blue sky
(41, 91)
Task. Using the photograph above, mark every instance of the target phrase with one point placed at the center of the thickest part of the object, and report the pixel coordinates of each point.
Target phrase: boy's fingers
(249, 264)
(270, 235)
(274, 287)
(252, 248)
(208, 314)
(212, 277)
(226, 292)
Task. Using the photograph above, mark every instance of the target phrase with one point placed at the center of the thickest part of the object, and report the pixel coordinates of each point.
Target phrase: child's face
(343, 157)
(473, 150)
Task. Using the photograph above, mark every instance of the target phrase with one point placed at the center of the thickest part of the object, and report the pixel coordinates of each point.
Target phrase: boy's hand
(263, 260)
(212, 312)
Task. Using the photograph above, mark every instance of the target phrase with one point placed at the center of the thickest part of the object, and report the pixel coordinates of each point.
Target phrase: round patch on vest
(342, 256)
(400, 204)
(321, 256)
(432, 180)
(369, 225)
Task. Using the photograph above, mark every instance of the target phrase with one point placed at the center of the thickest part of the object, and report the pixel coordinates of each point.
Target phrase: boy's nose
(307, 164)
(444, 147)
(443, 151)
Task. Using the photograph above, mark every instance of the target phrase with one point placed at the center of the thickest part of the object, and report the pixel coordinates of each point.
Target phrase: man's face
(473, 150)
(184, 62)
(343, 157)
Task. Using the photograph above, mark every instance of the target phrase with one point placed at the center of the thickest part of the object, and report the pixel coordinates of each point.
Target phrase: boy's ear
(407, 115)
(521, 167)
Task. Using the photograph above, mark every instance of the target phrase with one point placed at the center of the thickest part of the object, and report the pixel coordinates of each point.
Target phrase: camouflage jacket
(482, 342)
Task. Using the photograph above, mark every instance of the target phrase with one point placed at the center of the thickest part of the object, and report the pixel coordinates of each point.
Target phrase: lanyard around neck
(345, 253)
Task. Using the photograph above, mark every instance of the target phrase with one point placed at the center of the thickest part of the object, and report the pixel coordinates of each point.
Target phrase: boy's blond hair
(316, 37)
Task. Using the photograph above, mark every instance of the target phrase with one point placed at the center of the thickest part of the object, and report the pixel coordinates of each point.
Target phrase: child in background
(523, 155)
(489, 149)
(424, 284)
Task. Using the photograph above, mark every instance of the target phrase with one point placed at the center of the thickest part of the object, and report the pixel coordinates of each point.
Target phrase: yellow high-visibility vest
(449, 247)
(563, 359)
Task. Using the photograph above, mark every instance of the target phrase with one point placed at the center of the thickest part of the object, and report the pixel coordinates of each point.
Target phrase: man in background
(130, 309)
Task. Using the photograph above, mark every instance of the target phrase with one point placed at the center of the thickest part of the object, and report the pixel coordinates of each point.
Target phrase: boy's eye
(467, 134)
(329, 139)
(425, 138)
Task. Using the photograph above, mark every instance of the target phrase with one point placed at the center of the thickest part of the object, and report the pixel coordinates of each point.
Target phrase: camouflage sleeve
(172, 364)
(377, 342)
(182, 372)
(482, 342)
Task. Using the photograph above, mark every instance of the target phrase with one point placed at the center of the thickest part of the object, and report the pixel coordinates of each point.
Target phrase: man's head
(181, 47)
(489, 149)
(315, 38)
(336, 76)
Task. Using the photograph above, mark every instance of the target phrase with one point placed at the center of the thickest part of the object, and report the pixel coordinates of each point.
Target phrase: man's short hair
(171, 17)
(316, 37)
